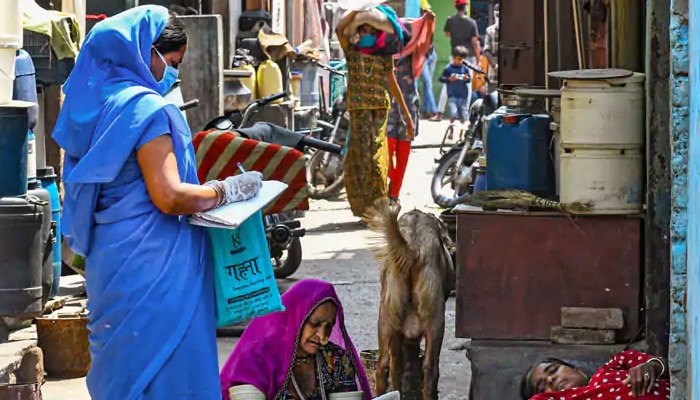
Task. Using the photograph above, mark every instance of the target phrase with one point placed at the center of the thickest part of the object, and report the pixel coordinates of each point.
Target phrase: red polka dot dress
(606, 383)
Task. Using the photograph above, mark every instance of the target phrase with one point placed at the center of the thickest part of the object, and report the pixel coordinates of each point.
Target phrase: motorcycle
(283, 230)
(325, 170)
(454, 168)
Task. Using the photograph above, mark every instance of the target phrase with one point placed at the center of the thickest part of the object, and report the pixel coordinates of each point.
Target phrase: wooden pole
(577, 29)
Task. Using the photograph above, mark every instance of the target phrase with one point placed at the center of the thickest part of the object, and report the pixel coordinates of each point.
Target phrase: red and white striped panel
(219, 152)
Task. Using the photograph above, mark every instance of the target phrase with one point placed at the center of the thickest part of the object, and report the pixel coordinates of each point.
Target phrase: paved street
(337, 249)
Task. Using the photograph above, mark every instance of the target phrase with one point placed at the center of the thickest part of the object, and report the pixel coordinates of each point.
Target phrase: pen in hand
(240, 168)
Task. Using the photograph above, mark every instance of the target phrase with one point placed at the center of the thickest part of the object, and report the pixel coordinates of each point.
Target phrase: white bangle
(663, 367)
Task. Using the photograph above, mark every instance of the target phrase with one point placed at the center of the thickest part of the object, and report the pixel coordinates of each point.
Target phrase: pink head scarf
(264, 354)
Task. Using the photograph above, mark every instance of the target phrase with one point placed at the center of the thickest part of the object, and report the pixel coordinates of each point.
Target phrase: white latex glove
(243, 186)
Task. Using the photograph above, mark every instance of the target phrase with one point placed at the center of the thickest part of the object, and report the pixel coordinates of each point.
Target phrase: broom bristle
(578, 206)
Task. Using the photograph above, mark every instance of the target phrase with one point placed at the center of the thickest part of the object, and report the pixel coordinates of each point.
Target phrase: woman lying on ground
(628, 375)
(301, 353)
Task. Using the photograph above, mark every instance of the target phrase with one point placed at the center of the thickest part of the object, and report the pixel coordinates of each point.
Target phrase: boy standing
(456, 78)
(462, 31)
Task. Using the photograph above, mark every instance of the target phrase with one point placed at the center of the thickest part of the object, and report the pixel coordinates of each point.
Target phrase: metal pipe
(546, 44)
(557, 11)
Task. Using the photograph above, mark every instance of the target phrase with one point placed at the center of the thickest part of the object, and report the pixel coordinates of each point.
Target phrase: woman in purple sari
(301, 353)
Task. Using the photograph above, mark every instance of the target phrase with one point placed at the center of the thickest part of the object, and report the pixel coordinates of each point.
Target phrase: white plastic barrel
(603, 114)
(245, 392)
(11, 24)
(612, 180)
(7, 73)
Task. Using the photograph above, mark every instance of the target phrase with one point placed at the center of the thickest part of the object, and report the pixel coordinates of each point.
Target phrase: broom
(520, 200)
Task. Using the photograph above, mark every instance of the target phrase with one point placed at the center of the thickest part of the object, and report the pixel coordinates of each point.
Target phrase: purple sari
(264, 354)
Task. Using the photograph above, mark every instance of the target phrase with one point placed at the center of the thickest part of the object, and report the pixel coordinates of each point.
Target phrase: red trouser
(397, 168)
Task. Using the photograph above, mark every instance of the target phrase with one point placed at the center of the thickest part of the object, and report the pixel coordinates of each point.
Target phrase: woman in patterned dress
(628, 375)
(301, 353)
(369, 77)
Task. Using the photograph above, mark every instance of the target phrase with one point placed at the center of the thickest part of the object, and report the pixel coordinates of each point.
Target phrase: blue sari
(149, 281)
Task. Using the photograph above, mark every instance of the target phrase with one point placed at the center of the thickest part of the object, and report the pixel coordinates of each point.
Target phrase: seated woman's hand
(243, 186)
(641, 379)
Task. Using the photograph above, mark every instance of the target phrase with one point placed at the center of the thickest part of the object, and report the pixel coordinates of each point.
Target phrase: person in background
(130, 181)
(397, 138)
(628, 375)
(479, 84)
(426, 77)
(369, 77)
(456, 78)
(464, 32)
(491, 49)
(406, 74)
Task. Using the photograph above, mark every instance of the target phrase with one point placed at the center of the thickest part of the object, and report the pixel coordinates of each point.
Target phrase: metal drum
(20, 257)
(48, 237)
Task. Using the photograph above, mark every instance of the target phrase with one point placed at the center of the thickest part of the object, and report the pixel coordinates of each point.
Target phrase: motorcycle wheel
(315, 164)
(445, 173)
(285, 267)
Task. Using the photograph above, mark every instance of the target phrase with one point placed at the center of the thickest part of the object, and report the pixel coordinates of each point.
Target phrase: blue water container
(518, 152)
(24, 86)
(13, 148)
(480, 180)
(48, 178)
(309, 85)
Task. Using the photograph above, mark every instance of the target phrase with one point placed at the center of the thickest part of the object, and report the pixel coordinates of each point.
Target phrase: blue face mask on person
(170, 75)
(367, 40)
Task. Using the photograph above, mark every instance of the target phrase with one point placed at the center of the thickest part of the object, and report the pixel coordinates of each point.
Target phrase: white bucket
(7, 73)
(612, 180)
(346, 396)
(245, 392)
(11, 33)
(603, 114)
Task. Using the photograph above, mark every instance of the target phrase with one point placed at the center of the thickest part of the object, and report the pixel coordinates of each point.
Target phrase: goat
(417, 276)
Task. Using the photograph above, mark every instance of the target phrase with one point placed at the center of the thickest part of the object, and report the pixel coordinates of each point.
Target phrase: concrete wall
(680, 111)
(693, 302)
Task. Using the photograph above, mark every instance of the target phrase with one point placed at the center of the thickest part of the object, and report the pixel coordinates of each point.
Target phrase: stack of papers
(231, 216)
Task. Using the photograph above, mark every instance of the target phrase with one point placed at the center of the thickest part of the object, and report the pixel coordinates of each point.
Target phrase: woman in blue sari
(130, 181)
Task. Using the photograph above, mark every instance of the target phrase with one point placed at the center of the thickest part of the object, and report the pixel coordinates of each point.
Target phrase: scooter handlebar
(190, 104)
(309, 141)
(477, 70)
(269, 99)
(330, 69)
